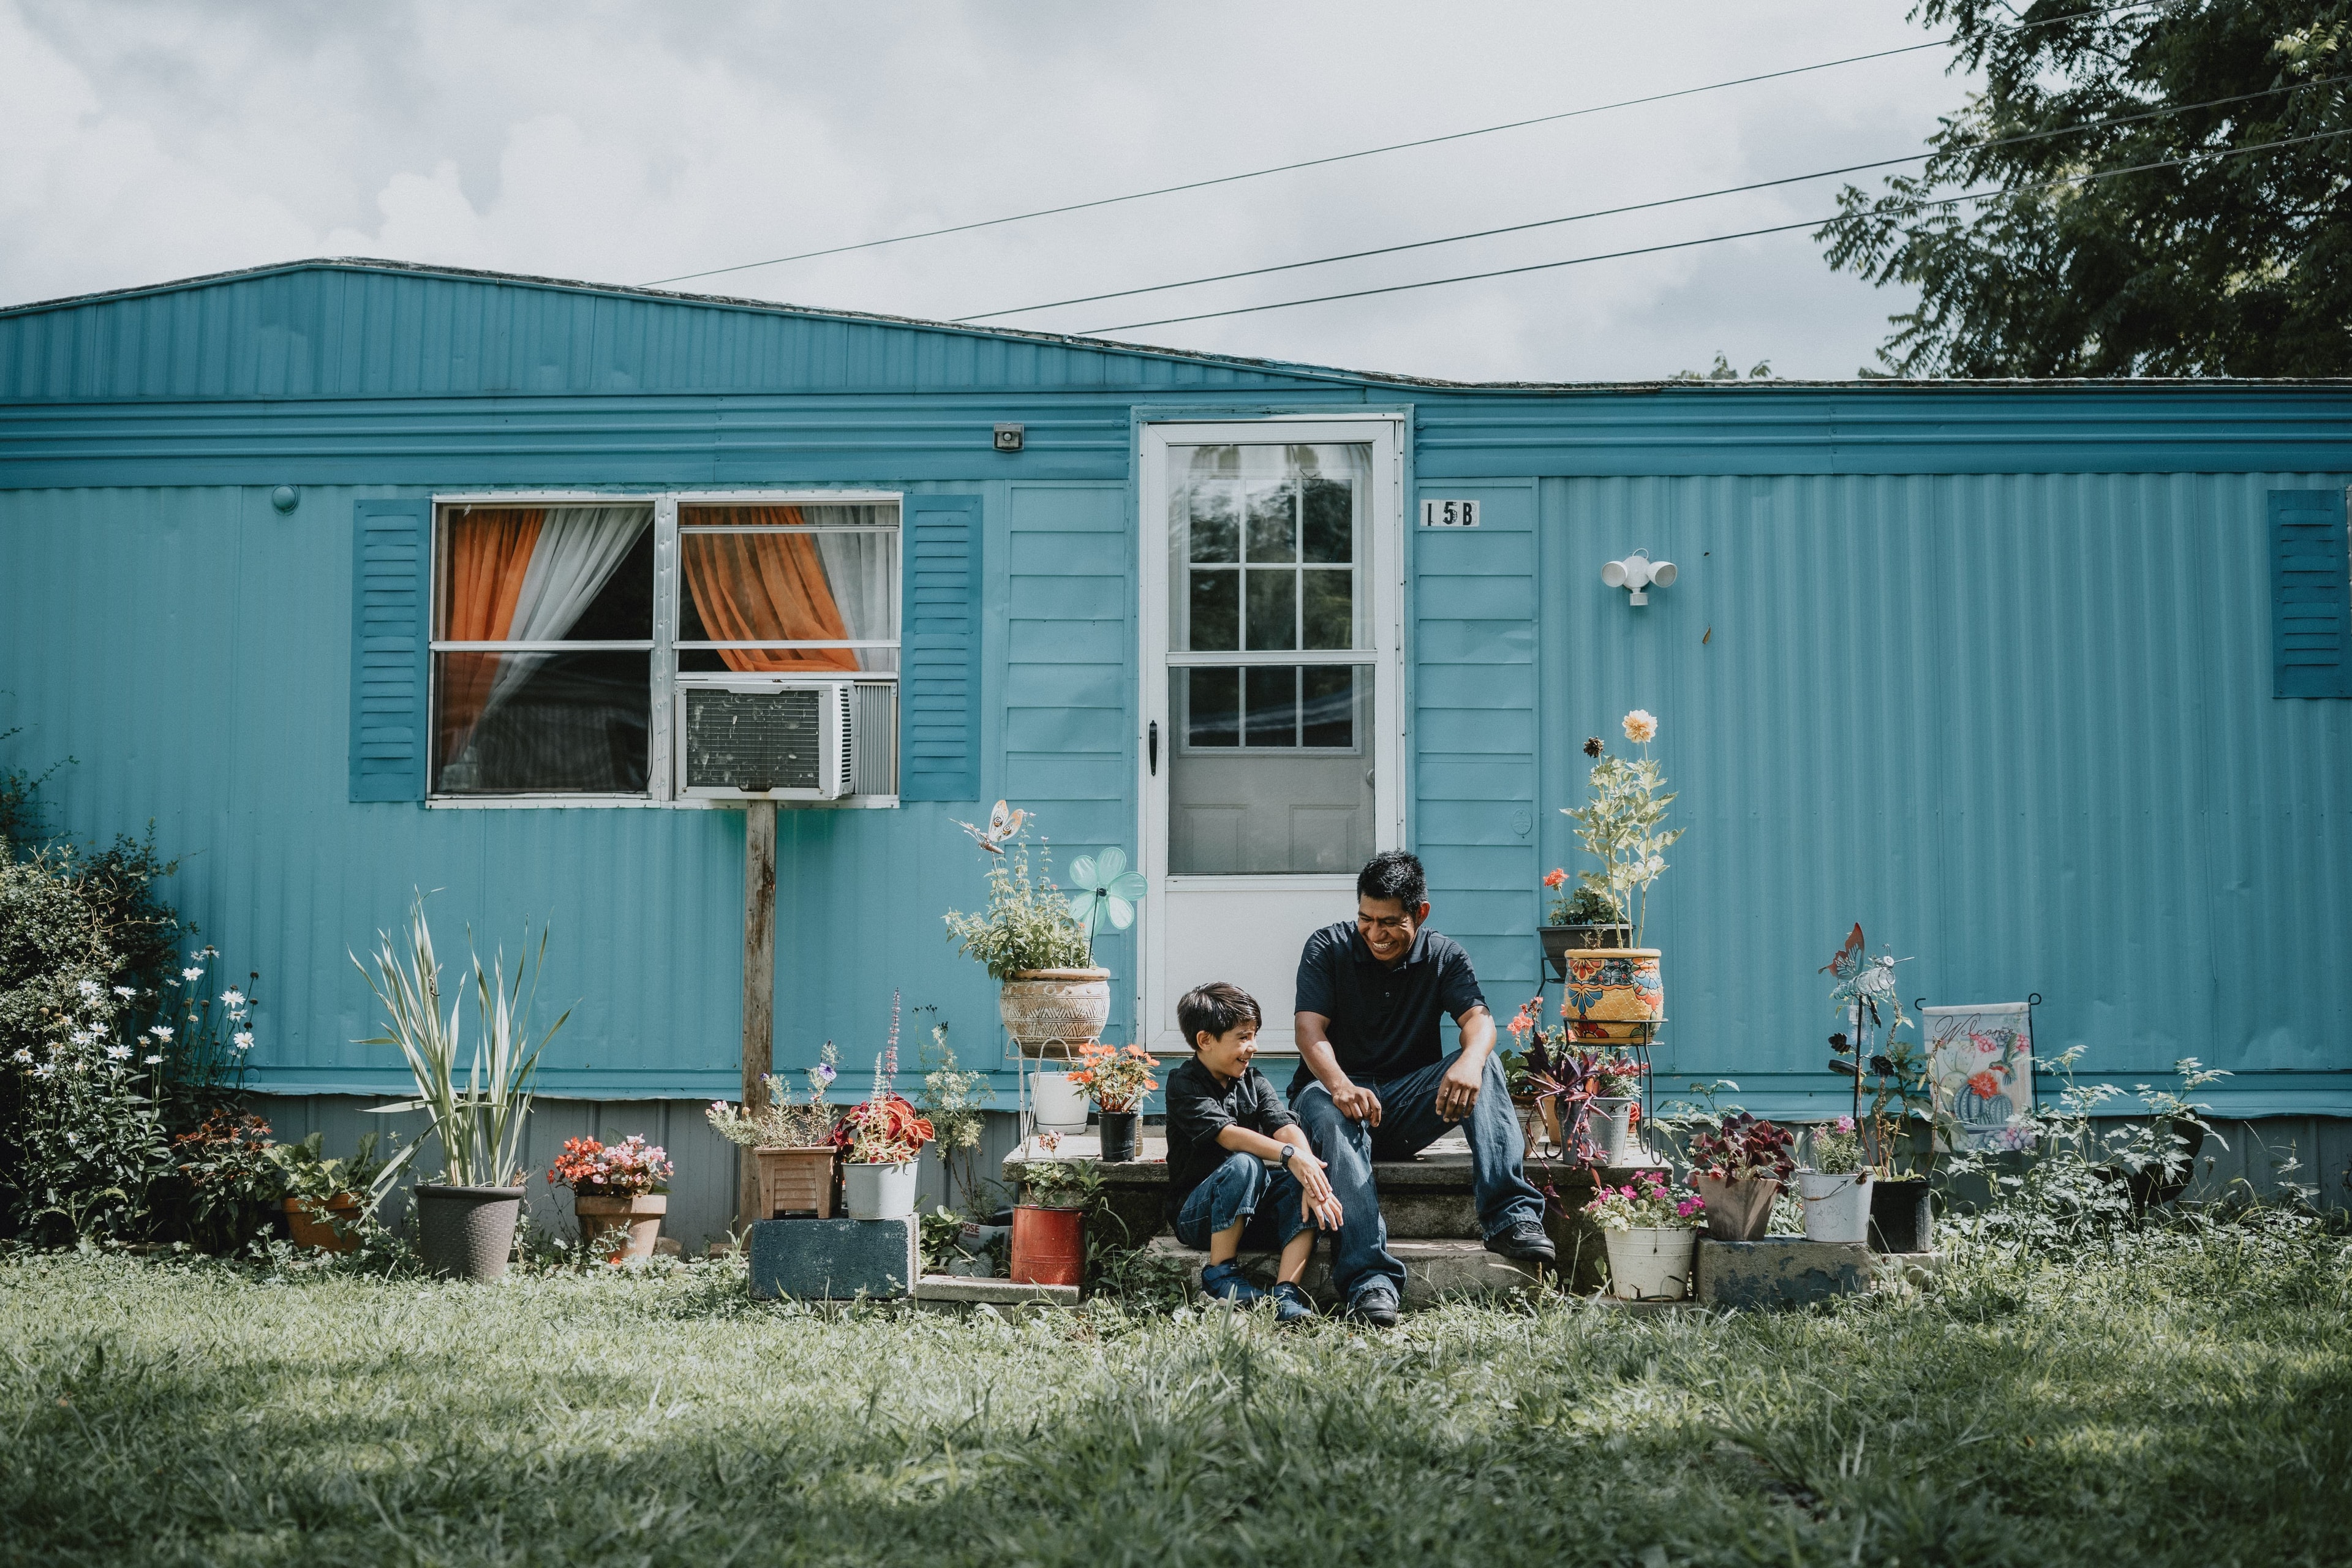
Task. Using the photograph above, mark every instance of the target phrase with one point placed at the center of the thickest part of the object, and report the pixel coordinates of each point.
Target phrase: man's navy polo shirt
(1383, 1021)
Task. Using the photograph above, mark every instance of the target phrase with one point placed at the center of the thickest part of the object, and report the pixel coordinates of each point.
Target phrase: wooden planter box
(796, 1181)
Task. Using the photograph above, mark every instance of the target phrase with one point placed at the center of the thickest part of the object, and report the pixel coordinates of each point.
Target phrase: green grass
(2187, 1401)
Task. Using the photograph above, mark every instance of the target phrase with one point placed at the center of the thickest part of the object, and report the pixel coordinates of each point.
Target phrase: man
(1371, 1084)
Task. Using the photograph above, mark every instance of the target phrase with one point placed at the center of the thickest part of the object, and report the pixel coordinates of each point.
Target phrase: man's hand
(1359, 1104)
(1318, 1203)
(1457, 1091)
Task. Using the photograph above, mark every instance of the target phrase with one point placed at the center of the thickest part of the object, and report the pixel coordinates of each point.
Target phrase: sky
(624, 142)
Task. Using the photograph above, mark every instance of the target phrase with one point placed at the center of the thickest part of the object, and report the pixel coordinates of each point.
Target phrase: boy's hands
(1318, 1203)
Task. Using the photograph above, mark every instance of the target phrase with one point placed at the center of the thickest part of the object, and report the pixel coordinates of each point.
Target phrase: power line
(1713, 238)
(1646, 207)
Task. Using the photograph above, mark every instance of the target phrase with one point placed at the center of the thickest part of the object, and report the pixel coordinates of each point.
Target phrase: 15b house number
(1449, 514)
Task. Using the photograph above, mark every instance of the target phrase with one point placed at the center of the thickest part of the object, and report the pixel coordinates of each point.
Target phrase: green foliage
(307, 1171)
(1061, 1184)
(232, 1182)
(2185, 1402)
(783, 1122)
(951, 1101)
(1620, 826)
(2227, 265)
(1028, 923)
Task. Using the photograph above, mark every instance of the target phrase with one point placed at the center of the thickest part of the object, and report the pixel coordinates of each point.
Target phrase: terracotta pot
(329, 1227)
(467, 1233)
(625, 1224)
(1740, 1210)
(1049, 1247)
(1059, 1008)
(1559, 942)
(796, 1181)
(1613, 995)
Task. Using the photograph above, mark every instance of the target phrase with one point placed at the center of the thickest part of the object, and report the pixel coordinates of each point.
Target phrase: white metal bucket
(1059, 1105)
(1837, 1208)
(1652, 1264)
(880, 1192)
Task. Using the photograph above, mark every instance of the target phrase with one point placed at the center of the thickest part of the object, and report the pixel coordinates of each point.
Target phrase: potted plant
(1652, 1233)
(619, 1192)
(1588, 1098)
(1617, 994)
(1580, 918)
(1117, 1081)
(791, 1144)
(323, 1195)
(1050, 993)
(1738, 1167)
(1835, 1185)
(881, 1140)
(466, 1221)
(1049, 1223)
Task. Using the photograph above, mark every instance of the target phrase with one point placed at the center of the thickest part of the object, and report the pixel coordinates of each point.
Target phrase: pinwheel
(1106, 886)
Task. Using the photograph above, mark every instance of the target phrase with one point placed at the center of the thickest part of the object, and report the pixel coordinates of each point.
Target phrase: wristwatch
(1288, 1149)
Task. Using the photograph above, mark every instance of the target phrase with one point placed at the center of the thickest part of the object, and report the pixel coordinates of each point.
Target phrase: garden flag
(1980, 1066)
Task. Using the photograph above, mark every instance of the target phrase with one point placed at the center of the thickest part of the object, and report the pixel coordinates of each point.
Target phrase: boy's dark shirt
(1383, 1021)
(1199, 1108)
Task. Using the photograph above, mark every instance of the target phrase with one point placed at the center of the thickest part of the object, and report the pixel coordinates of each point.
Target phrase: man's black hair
(1217, 1007)
(1394, 874)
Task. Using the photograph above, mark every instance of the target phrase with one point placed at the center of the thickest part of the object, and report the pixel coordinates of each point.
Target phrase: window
(564, 645)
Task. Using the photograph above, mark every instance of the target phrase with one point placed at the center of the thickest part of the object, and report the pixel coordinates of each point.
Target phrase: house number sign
(1449, 514)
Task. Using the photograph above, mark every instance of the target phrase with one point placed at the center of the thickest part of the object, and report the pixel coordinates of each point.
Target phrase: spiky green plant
(480, 1125)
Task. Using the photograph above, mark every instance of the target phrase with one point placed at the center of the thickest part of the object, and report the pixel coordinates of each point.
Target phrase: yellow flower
(1640, 726)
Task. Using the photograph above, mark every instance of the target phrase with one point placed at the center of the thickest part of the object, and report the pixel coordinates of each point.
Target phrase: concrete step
(1434, 1268)
(959, 1293)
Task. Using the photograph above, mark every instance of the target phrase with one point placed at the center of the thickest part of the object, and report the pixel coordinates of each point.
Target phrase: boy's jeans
(1409, 1124)
(1243, 1187)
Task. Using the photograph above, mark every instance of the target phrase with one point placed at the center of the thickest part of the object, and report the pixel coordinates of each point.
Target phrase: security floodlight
(1637, 572)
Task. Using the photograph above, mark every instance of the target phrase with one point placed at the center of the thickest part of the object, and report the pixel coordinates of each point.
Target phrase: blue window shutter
(389, 648)
(2311, 595)
(938, 678)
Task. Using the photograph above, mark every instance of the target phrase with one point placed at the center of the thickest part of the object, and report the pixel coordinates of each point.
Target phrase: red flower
(1985, 1084)
(1555, 878)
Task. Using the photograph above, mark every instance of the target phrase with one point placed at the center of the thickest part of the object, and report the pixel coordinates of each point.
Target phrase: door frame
(1385, 430)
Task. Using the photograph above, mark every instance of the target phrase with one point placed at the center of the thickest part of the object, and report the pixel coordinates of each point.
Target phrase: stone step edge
(968, 1291)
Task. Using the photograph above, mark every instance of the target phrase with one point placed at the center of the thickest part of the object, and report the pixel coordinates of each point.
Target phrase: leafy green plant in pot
(324, 1196)
(1652, 1233)
(1835, 1185)
(881, 1140)
(619, 1193)
(466, 1220)
(1049, 1223)
(1117, 1081)
(1616, 994)
(1738, 1168)
(791, 1141)
(1051, 996)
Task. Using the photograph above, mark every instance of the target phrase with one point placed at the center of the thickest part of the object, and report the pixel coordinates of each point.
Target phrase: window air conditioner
(771, 739)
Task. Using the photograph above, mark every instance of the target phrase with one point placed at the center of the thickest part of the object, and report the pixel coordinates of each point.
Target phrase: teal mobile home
(360, 578)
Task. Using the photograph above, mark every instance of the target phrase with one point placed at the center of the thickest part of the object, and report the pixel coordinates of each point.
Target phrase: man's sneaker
(1376, 1305)
(1291, 1304)
(1523, 1241)
(1225, 1283)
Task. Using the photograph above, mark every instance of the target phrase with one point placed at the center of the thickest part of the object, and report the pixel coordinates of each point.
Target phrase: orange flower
(1556, 878)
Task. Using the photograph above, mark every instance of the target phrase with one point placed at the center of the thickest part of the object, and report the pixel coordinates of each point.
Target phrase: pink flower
(1556, 878)
(1845, 1123)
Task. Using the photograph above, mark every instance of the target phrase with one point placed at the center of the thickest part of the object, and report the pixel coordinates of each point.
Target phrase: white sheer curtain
(579, 549)
(857, 570)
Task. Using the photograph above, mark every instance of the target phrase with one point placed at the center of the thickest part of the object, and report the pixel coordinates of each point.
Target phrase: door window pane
(1273, 523)
(1280, 508)
(1214, 533)
(1329, 608)
(1273, 609)
(1274, 804)
(1209, 706)
(1330, 531)
(1326, 707)
(1270, 703)
(1216, 610)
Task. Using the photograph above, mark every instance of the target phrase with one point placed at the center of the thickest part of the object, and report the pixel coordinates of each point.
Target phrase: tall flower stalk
(1619, 826)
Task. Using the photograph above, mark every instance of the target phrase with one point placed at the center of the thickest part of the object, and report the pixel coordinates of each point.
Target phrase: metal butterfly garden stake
(1106, 888)
(1865, 992)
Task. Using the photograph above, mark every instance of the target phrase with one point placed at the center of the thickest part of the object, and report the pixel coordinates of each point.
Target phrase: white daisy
(233, 996)
(192, 974)
(150, 1061)
(243, 1040)
(125, 992)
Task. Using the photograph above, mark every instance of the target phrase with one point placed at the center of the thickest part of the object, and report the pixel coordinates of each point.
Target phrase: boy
(1225, 1121)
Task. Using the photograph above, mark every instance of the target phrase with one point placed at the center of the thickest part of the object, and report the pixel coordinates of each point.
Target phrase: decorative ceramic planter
(1612, 995)
(1609, 1122)
(1737, 1211)
(1055, 1009)
(878, 1192)
(796, 1181)
(1059, 1105)
(1837, 1207)
(467, 1233)
(1652, 1264)
(1901, 1219)
(625, 1224)
(1049, 1247)
(1559, 942)
(327, 1226)
(1122, 1136)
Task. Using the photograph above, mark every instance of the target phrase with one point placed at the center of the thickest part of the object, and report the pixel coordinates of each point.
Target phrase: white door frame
(1385, 573)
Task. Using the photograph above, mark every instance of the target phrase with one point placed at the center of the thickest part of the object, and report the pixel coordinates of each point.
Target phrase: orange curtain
(488, 552)
(765, 587)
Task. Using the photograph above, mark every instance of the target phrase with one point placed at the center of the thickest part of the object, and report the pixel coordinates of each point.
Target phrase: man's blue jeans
(1409, 1124)
(1243, 1188)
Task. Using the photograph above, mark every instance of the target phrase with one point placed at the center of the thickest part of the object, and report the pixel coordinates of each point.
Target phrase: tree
(2167, 195)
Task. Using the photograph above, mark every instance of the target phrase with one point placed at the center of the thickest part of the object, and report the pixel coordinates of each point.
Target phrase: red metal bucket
(1049, 1246)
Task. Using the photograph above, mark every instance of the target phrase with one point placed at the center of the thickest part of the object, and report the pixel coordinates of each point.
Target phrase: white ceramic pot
(1652, 1264)
(1059, 1105)
(1837, 1208)
(880, 1192)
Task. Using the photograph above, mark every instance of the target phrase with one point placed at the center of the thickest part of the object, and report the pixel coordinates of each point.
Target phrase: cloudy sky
(626, 143)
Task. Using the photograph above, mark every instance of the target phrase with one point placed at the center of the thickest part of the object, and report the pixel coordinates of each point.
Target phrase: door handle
(1152, 746)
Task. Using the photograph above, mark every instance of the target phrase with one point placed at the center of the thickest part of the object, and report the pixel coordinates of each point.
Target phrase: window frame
(661, 650)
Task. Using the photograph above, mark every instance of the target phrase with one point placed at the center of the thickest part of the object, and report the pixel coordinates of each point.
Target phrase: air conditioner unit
(772, 738)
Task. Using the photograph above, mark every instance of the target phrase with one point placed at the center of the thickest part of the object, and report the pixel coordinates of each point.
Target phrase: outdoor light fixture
(1638, 573)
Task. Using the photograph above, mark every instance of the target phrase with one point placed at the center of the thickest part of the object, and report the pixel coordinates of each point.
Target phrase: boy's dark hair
(1217, 1007)
(1393, 874)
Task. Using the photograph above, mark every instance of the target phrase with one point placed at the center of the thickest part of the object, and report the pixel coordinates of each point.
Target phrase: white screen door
(1272, 566)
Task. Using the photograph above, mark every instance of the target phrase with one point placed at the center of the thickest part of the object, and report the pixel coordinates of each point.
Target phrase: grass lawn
(2188, 1401)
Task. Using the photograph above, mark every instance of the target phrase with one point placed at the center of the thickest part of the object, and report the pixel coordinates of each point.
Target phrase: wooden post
(759, 984)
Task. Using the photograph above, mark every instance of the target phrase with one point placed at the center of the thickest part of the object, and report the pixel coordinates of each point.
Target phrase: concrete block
(1780, 1271)
(833, 1259)
(1434, 1268)
(959, 1291)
